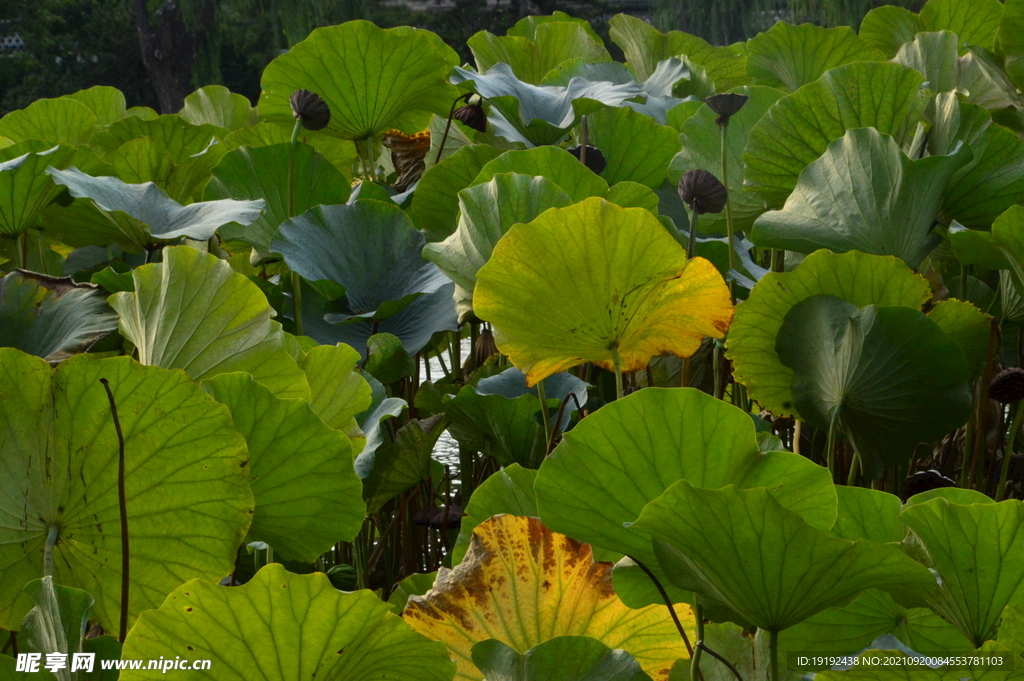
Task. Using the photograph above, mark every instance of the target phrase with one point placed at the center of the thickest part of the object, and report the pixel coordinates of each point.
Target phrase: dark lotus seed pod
(435, 517)
(922, 481)
(472, 115)
(1007, 386)
(485, 346)
(594, 160)
(726, 104)
(702, 191)
(309, 108)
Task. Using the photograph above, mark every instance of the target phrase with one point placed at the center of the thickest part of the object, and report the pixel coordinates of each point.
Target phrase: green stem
(296, 280)
(1008, 451)
(773, 655)
(544, 416)
(41, 249)
(728, 208)
(698, 614)
(122, 502)
(851, 479)
(51, 542)
(691, 248)
(830, 444)
(618, 373)
(716, 366)
(965, 468)
(19, 251)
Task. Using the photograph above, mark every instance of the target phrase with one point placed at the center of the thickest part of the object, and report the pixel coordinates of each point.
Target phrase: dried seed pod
(922, 481)
(472, 115)
(435, 518)
(485, 346)
(594, 159)
(726, 105)
(1007, 386)
(308, 107)
(701, 191)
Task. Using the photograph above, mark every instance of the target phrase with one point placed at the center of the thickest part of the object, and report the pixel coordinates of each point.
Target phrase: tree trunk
(169, 50)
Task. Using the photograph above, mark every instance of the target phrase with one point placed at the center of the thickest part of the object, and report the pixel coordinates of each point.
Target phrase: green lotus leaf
(977, 551)
(975, 21)
(536, 114)
(57, 121)
(387, 361)
(640, 297)
(992, 182)
(551, 163)
(645, 46)
(193, 312)
(788, 57)
(508, 491)
(27, 188)
(936, 55)
(800, 126)
(566, 658)
(262, 173)
(51, 317)
(532, 57)
(435, 204)
(371, 248)
(216, 105)
(486, 212)
(1011, 39)
(633, 195)
(150, 205)
(393, 467)
(636, 148)
(855, 277)
(415, 584)
(175, 136)
(969, 327)
(143, 159)
(702, 149)
(82, 225)
(765, 561)
(1002, 248)
(308, 497)
(863, 194)
(527, 26)
(337, 391)
(107, 103)
(184, 468)
(340, 153)
(281, 626)
(889, 377)
(372, 79)
(660, 436)
(890, 27)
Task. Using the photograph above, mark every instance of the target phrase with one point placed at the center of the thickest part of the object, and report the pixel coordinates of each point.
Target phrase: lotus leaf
(855, 277)
(262, 173)
(863, 194)
(216, 105)
(510, 491)
(788, 56)
(976, 22)
(634, 293)
(372, 79)
(799, 127)
(637, 148)
(660, 436)
(393, 467)
(551, 163)
(57, 121)
(766, 562)
(193, 312)
(51, 317)
(184, 468)
(435, 204)
(486, 212)
(566, 658)
(977, 551)
(284, 627)
(531, 57)
(150, 205)
(107, 103)
(24, 180)
(174, 136)
(516, 568)
(307, 493)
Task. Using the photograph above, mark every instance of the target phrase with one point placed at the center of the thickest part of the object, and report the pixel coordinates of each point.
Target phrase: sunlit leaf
(568, 658)
(58, 121)
(551, 163)
(184, 468)
(788, 56)
(284, 627)
(216, 105)
(531, 58)
(107, 103)
(636, 148)
(516, 568)
(510, 491)
(435, 204)
(637, 297)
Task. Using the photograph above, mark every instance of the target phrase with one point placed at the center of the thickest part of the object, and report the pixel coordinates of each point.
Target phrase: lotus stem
(122, 502)
(448, 125)
(619, 392)
(698, 616)
(797, 428)
(296, 280)
(585, 135)
(735, 672)
(728, 207)
(544, 416)
(19, 252)
(830, 443)
(40, 247)
(773, 655)
(1018, 410)
(851, 479)
(51, 542)
(691, 247)
(980, 425)
(668, 604)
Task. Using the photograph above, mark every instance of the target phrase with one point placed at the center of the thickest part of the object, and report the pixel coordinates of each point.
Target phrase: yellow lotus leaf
(522, 584)
(594, 280)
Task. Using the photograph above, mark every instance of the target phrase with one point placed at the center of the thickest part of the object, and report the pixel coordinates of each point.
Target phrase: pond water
(447, 449)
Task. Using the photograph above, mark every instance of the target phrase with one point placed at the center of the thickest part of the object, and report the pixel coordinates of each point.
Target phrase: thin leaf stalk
(830, 443)
(698, 615)
(19, 252)
(1011, 442)
(448, 126)
(691, 247)
(544, 416)
(122, 502)
(982, 403)
(619, 391)
(728, 208)
(773, 655)
(51, 543)
(295, 279)
(668, 604)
